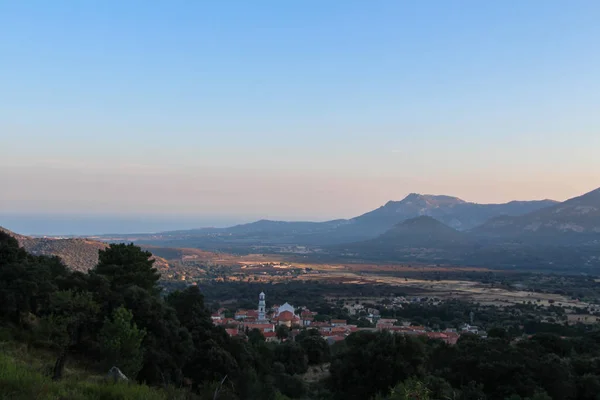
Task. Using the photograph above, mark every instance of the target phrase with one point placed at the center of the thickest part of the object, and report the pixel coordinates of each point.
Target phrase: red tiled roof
(259, 326)
(232, 332)
(417, 328)
(286, 316)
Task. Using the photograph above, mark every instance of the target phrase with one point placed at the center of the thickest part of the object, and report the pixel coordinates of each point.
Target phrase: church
(284, 314)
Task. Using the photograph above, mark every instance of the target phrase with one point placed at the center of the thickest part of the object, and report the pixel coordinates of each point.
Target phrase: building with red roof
(263, 327)
(287, 318)
(232, 332)
(271, 337)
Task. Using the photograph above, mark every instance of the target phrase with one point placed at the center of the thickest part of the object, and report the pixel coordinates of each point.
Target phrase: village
(280, 323)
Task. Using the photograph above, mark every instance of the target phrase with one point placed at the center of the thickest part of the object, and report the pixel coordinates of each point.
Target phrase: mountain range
(454, 212)
(428, 228)
(560, 236)
(575, 221)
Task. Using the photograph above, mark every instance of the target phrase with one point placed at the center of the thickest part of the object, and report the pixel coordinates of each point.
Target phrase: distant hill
(419, 239)
(423, 231)
(575, 221)
(77, 254)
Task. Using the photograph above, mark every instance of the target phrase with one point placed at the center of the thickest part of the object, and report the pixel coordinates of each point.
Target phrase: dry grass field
(275, 268)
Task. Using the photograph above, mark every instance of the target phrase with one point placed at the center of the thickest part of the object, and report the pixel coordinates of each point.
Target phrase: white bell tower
(261, 306)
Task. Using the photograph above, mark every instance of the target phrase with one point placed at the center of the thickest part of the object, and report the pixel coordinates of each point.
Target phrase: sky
(221, 112)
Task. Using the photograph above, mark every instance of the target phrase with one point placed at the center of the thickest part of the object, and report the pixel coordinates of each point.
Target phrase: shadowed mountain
(575, 221)
(419, 239)
(421, 231)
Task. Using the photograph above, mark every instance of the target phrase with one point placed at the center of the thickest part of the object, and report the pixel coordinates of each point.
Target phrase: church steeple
(261, 306)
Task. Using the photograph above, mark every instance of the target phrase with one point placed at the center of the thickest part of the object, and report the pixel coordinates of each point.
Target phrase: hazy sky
(301, 110)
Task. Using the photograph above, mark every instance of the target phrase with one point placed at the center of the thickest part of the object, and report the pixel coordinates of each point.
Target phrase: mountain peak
(431, 199)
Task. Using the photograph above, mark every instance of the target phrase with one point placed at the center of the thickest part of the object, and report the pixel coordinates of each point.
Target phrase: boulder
(115, 375)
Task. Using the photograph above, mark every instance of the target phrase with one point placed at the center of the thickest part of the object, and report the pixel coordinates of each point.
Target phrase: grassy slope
(22, 378)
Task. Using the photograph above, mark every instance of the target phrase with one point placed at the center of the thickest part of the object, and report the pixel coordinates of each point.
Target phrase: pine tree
(121, 342)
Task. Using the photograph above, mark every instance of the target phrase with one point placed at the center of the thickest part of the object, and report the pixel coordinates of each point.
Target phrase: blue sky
(296, 110)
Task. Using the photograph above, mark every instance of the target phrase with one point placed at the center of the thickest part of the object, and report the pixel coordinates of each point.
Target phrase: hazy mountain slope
(452, 211)
(424, 239)
(77, 254)
(576, 220)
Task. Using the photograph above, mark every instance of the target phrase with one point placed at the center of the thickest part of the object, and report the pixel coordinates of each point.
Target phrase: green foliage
(374, 362)
(316, 348)
(26, 281)
(125, 265)
(290, 386)
(209, 358)
(121, 341)
(282, 332)
(410, 389)
(255, 337)
(293, 357)
(167, 345)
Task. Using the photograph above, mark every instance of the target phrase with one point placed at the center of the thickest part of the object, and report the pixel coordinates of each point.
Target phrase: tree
(26, 281)
(307, 333)
(213, 356)
(127, 265)
(255, 336)
(167, 345)
(71, 313)
(121, 342)
(410, 389)
(10, 252)
(364, 323)
(316, 348)
(282, 332)
(293, 357)
(498, 332)
(588, 387)
(374, 362)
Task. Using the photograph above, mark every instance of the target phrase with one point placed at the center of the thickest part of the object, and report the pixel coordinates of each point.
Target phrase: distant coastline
(98, 224)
